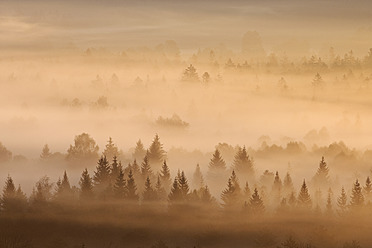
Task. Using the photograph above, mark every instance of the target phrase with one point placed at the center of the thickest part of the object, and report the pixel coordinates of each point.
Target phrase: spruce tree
(277, 188)
(146, 169)
(175, 195)
(368, 189)
(115, 168)
(205, 196)
(8, 200)
(131, 188)
(156, 153)
(342, 202)
(160, 191)
(63, 191)
(149, 193)
(304, 200)
(231, 196)
(256, 205)
(243, 165)
(102, 173)
(329, 208)
(45, 153)
(197, 179)
(86, 186)
(139, 151)
(287, 184)
(217, 163)
(247, 191)
(356, 198)
(120, 186)
(321, 177)
(184, 185)
(111, 150)
(165, 176)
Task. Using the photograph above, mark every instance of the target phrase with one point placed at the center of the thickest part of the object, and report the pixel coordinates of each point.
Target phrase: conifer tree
(217, 163)
(256, 205)
(368, 189)
(45, 153)
(131, 188)
(136, 170)
(304, 200)
(149, 193)
(243, 165)
(197, 179)
(156, 153)
(160, 191)
(277, 188)
(21, 199)
(146, 169)
(231, 195)
(356, 198)
(111, 150)
(139, 151)
(8, 199)
(247, 191)
(321, 177)
(206, 197)
(184, 185)
(102, 173)
(287, 184)
(342, 202)
(165, 176)
(329, 208)
(63, 191)
(115, 168)
(292, 201)
(86, 186)
(175, 195)
(120, 186)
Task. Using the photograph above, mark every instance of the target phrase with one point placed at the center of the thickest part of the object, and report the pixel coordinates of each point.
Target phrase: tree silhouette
(321, 177)
(231, 196)
(120, 186)
(175, 195)
(102, 178)
(139, 151)
(165, 176)
(84, 149)
(197, 179)
(63, 190)
(356, 198)
(190, 74)
(256, 205)
(146, 169)
(156, 154)
(149, 193)
(131, 188)
(5, 154)
(243, 165)
(217, 163)
(342, 202)
(8, 199)
(367, 189)
(247, 191)
(111, 150)
(115, 169)
(287, 184)
(160, 191)
(329, 208)
(184, 185)
(277, 188)
(303, 199)
(45, 153)
(86, 186)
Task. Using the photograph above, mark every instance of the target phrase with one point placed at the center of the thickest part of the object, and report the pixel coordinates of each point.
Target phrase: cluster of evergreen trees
(150, 183)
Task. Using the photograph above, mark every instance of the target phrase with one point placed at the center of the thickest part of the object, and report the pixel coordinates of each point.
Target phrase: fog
(233, 96)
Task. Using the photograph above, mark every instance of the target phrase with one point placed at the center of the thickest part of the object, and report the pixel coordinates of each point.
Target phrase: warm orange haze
(167, 124)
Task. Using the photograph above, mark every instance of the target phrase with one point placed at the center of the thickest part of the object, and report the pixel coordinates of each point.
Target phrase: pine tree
(217, 163)
(342, 202)
(139, 151)
(329, 208)
(304, 200)
(277, 188)
(63, 191)
(120, 186)
(86, 186)
(184, 185)
(231, 196)
(165, 176)
(288, 184)
(160, 191)
(368, 189)
(357, 198)
(175, 195)
(146, 168)
(156, 153)
(131, 188)
(243, 165)
(247, 191)
(205, 196)
(45, 153)
(256, 205)
(111, 150)
(115, 168)
(197, 179)
(102, 173)
(8, 199)
(292, 201)
(190, 74)
(149, 193)
(321, 177)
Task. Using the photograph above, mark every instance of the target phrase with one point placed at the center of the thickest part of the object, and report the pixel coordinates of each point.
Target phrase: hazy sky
(192, 24)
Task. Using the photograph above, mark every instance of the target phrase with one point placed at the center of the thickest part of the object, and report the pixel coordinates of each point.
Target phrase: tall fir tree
(256, 206)
(197, 179)
(342, 202)
(321, 177)
(146, 169)
(120, 186)
(356, 198)
(156, 154)
(63, 190)
(165, 176)
(131, 188)
(160, 191)
(45, 153)
(231, 195)
(102, 173)
(243, 164)
(184, 186)
(277, 189)
(247, 191)
(304, 199)
(115, 168)
(86, 186)
(367, 189)
(175, 195)
(329, 208)
(149, 193)
(217, 163)
(139, 151)
(111, 150)
(287, 185)
(8, 199)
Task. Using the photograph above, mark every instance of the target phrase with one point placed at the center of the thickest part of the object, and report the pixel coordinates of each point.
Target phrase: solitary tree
(190, 74)
(45, 153)
(217, 163)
